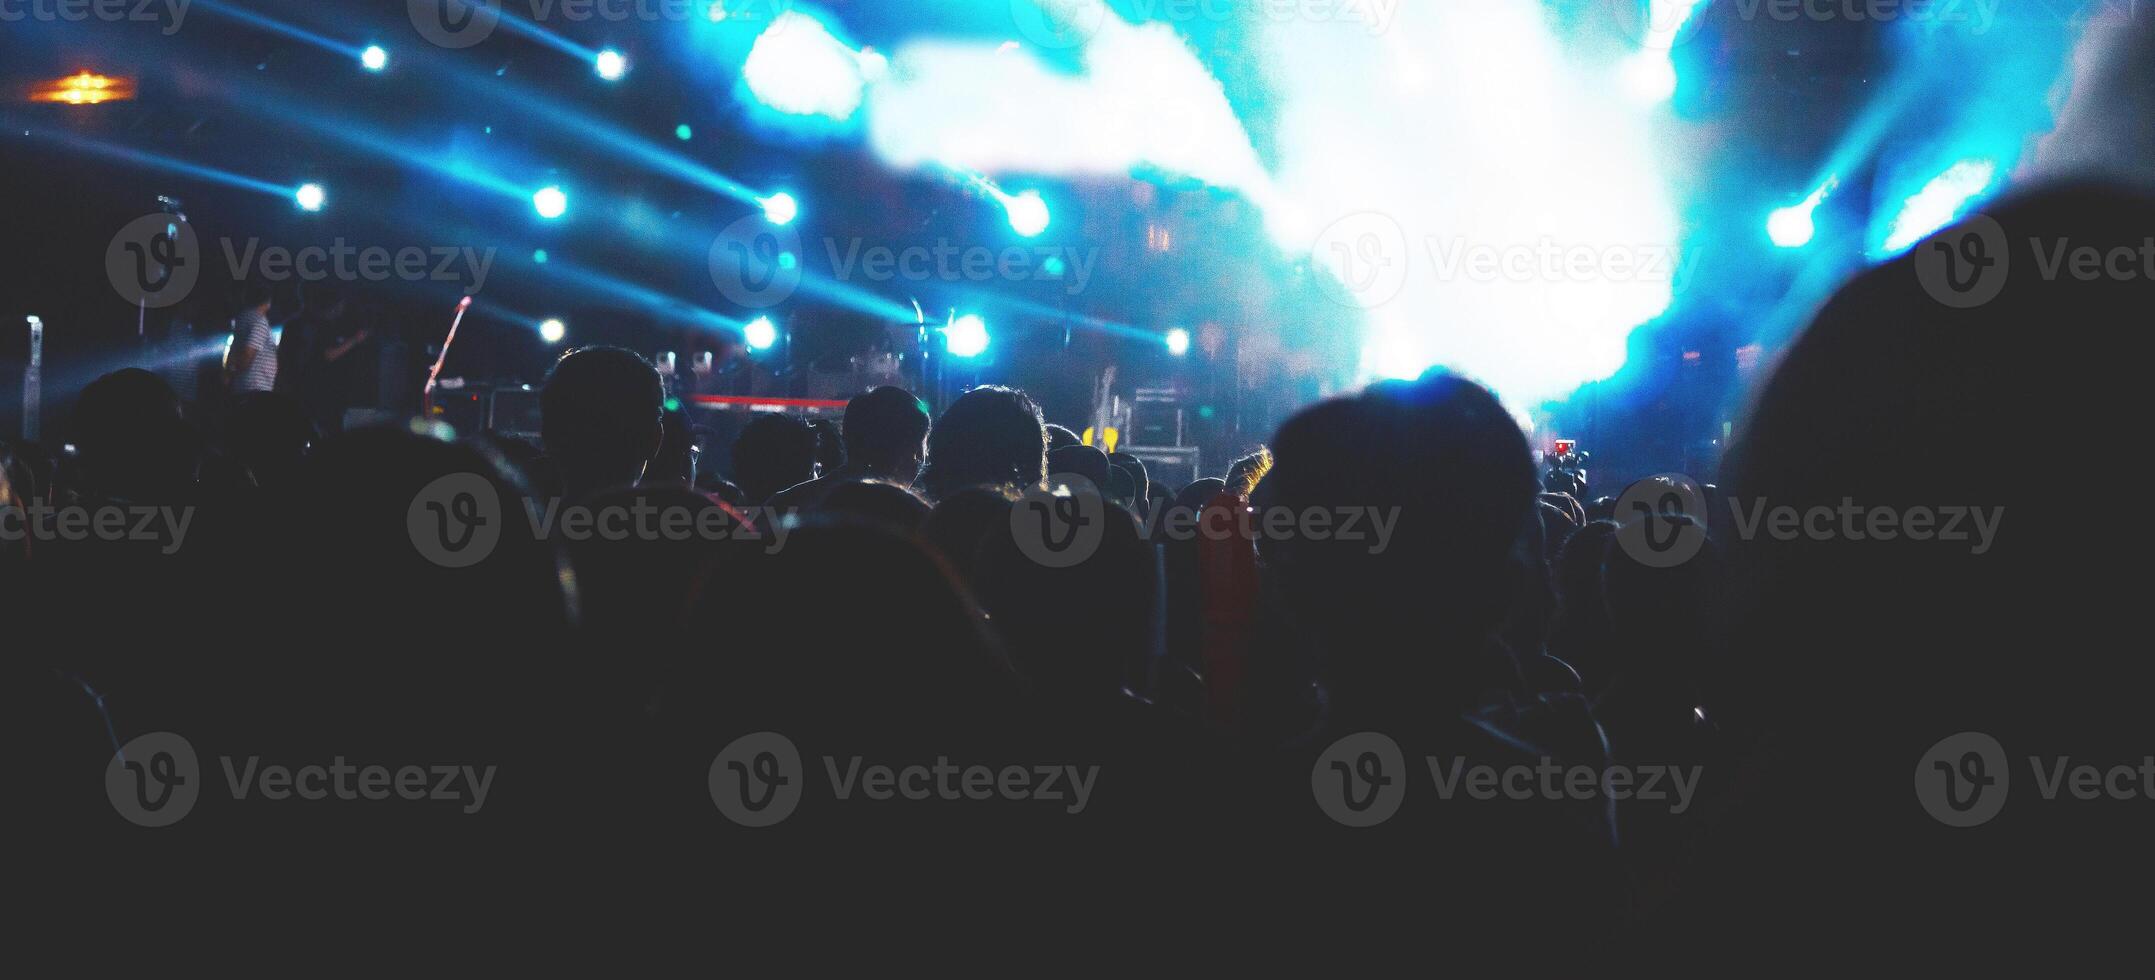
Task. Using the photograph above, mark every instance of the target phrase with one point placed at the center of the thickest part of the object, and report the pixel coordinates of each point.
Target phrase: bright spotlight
(1178, 341)
(374, 58)
(310, 197)
(1028, 213)
(798, 68)
(611, 65)
(1938, 203)
(967, 336)
(552, 331)
(780, 208)
(550, 202)
(760, 333)
(1791, 227)
(1649, 77)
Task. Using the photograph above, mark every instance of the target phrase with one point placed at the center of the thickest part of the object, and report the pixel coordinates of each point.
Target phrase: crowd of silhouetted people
(902, 616)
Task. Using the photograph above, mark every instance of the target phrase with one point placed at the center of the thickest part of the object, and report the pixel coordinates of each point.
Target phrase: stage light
(611, 65)
(310, 197)
(683, 133)
(1649, 76)
(1028, 213)
(84, 88)
(550, 202)
(539, 256)
(760, 333)
(798, 68)
(1791, 227)
(780, 208)
(967, 336)
(1178, 341)
(374, 58)
(1938, 204)
(552, 331)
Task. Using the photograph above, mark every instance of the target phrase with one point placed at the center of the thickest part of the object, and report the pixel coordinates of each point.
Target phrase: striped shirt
(250, 331)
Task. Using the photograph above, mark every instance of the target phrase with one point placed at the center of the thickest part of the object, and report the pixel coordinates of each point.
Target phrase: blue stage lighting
(683, 133)
(552, 331)
(539, 256)
(310, 197)
(780, 208)
(550, 202)
(967, 336)
(1178, 341)
(374, 58)
(1792, 226)
(1650, 76)
(798, 68)
(1028, 213)
(1938, 204)
(760, 333)
(611, 65)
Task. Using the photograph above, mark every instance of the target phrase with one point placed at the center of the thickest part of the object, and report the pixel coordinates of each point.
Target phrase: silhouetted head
(886, 433)
(600, 417)
(1441, 458)
(131, 438)
(1058, 437)
(773, 452)
(989, 436)
(1140, 482)
(1244, 474)
(1079, 460)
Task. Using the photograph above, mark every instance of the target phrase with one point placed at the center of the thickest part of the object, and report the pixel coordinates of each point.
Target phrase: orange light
(84, 88)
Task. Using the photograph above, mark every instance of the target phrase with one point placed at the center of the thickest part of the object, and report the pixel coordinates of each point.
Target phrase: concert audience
(334, 601)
